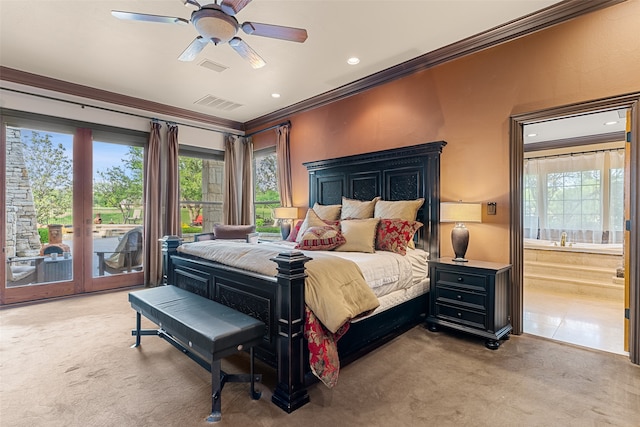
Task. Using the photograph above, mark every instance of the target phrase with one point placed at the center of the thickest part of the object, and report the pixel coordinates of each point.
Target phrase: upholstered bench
(203, 329)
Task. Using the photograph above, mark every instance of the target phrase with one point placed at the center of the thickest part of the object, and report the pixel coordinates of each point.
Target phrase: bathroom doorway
(573, 229)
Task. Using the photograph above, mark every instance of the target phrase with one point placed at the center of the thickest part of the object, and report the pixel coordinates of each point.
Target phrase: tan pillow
(328, 212)
(360, 235)
(311, 220)
(399, 209)
(357, 209)
(222, 231)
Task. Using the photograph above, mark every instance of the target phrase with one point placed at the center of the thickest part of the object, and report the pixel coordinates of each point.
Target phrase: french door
(70, 192)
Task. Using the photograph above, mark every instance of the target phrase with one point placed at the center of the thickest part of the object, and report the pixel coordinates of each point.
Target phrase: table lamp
(285, 215)
(460, 213)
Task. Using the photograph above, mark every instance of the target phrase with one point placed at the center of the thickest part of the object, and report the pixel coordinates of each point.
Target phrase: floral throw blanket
(323, 348)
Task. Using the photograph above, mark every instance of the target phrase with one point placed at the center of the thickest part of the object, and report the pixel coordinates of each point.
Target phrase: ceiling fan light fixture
(213, 24)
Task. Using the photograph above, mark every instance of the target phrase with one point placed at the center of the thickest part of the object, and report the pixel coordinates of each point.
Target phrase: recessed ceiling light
(610, 123)
(275, 95)
(353, 60)
(531, 135)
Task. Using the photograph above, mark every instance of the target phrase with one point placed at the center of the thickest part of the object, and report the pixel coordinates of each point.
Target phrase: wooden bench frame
(172, 335)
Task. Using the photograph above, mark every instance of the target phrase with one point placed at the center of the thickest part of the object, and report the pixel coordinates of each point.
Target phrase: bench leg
(216, 393)
(137, 332)
(255, 395)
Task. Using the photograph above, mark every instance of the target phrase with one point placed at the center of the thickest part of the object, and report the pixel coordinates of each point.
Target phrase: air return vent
(217, 103)
(212, 66)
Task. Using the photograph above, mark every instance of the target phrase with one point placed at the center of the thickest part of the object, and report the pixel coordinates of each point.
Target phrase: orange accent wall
(468, 102)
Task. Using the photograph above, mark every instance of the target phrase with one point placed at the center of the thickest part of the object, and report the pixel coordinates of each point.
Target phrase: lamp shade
(460, 212)
(285, 213)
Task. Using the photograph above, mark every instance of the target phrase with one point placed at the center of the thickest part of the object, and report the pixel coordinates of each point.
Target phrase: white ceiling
(80, 41)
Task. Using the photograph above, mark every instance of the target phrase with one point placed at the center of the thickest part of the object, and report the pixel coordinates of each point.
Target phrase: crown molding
(68, 88)
(545, 18)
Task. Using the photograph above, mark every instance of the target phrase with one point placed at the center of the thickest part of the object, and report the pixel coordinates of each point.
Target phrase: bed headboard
(397, 174)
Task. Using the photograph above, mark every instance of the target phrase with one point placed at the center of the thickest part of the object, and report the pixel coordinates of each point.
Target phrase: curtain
(284, 165)
(230, 203)
(172, 185)
(246, 208)
(152, 210)
(578, 194)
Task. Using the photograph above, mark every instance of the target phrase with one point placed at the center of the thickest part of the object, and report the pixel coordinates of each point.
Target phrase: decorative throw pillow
(327, 212)
(357, 209)
(311, 220)
(224, 231)
(394, 235)
(360, 235)
(323, 238)
(402, 209)
(294, 231)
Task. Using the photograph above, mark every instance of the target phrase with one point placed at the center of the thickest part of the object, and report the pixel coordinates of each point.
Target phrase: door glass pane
(117, 208)
(39, 191)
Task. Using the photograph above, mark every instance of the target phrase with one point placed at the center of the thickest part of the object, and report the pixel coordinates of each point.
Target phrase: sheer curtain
(172, 184)
(230, 203)
(152, 209)
(284, 165)
(578, 194)
(246, 208)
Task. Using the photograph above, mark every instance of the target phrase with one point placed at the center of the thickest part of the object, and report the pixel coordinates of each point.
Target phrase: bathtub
(593, 248)
(578, 268)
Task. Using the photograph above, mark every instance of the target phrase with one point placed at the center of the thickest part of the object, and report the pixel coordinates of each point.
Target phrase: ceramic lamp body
(285, 228)
(460, 241)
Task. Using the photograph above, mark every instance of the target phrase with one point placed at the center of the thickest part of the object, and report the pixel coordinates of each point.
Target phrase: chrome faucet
(563, 239)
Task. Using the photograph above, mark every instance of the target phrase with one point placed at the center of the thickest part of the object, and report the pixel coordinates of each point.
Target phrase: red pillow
(323, 238)
(294, 232)
(393, 235)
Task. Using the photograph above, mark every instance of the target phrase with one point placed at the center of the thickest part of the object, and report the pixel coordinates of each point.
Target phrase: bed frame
(397, 174)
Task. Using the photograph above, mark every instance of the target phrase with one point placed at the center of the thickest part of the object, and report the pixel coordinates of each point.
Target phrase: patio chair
(24, 270)
(126, 257)
(135, 217)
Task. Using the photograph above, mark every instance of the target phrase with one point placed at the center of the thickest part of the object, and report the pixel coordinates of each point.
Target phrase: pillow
(294, 232)
(357, 209)
(360, 235)
(222, 231)
(323, 238)
(311, 220)
(394, 235)
(327, 212)
(401, 209)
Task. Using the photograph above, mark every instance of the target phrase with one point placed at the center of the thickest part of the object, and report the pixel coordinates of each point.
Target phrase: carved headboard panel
(398, 174)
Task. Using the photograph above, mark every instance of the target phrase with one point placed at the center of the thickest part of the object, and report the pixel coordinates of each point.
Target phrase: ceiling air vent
(212, 66)
(218, 103)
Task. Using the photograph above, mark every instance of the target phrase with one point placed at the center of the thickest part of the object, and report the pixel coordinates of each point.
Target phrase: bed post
(169, 247)
(290, 392)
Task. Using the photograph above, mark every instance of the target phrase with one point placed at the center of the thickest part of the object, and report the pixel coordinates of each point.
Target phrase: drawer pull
(459, 296)
(460, 279)
(459, 314)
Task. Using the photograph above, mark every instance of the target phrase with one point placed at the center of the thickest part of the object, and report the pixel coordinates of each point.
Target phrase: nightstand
(471, 297)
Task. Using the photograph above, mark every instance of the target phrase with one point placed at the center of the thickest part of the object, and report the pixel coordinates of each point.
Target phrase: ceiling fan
(216, 23)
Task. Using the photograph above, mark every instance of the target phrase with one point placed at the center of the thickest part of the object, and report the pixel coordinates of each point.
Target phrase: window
(266, 196)
(580, 194)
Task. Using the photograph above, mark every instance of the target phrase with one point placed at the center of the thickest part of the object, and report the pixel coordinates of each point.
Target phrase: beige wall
(468, 102)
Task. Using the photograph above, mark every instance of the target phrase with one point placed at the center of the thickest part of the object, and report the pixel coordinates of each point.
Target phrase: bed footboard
(278, 302)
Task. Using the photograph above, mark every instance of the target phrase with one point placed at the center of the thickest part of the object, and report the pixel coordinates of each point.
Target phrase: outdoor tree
(121, 186)
(51, 183)
(267, 179)
(190, 169)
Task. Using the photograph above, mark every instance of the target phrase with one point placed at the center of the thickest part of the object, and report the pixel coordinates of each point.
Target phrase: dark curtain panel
(230, 203)
(284, 166)
(246, 210)
(172, 215)
(152, 210)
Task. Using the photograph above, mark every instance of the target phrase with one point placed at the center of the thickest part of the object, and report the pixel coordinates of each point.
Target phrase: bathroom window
(580, 194)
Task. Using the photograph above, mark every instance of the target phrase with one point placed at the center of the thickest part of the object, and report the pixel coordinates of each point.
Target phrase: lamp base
(460, 241)
(460, 260)
(285, 229)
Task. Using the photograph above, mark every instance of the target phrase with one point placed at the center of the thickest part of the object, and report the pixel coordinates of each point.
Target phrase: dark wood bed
(398, 174)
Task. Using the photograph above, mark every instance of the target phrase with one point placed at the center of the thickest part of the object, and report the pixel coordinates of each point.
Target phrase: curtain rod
(83, 105)
(551, 156)
(288, 122)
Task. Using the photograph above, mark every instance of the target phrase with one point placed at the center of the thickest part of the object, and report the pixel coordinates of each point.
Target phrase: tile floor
(576, 319)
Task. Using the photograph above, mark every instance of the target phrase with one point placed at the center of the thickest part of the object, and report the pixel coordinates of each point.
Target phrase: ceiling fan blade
(275, 31)
(148, 18)
(231, 7)
(246, 52)
(191, 2)
(193, 49)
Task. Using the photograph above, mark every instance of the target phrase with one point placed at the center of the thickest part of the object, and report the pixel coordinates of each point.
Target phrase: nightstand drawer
(459, 315)
(462, 279)
(454, 295)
